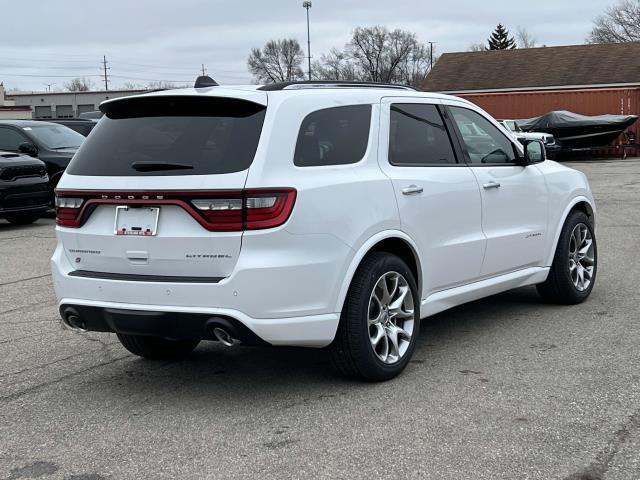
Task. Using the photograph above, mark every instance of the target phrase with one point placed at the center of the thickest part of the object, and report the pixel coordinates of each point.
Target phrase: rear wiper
(156, 166)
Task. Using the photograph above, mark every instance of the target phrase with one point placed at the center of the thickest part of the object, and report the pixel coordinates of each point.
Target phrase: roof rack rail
(331, 84)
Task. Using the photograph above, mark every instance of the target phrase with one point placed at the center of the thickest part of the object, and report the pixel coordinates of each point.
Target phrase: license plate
(142, 221)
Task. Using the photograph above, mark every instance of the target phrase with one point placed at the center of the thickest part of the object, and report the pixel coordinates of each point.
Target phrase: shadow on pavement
(216, 370)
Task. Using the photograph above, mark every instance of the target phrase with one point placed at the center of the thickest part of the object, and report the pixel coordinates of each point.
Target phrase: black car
(54, 144)
(81, 125)
(24, 188)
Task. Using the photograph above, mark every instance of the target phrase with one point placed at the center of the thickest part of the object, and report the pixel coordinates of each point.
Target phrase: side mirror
(534, 152)
(28, 148)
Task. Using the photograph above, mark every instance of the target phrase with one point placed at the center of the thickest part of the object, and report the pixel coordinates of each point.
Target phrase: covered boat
(575, 131)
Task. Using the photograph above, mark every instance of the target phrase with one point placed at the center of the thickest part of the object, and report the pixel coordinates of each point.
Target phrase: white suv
(308, 214)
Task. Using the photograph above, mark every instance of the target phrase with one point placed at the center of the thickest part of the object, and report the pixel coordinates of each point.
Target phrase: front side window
(333, 136)
(484, 142)
(417, 136)
(10, 139)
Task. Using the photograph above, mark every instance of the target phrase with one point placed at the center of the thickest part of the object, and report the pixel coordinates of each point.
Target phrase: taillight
(220, 214)
(252, 210)
(238, 210)
(68, 211)
(268, 209)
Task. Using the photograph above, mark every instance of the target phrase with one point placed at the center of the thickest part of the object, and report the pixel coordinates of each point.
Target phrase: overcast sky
(47, 41)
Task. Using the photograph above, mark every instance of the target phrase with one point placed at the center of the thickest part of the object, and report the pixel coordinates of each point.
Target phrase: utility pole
(431, 54)
(104, 65)
(307, 5)
(203, 70)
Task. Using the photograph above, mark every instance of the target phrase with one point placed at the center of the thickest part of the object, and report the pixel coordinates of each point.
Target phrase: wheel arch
(580, 203)
(390, 241)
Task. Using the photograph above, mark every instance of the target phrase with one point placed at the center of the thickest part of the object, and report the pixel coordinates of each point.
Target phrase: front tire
(380, 320)
(575, 263)
(157, 348)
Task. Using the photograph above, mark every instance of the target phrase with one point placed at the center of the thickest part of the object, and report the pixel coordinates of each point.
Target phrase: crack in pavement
(25, 280)
(27, 236)
(14, 396)
(599, 467)
(17, 309)
(44, 365)
(15, 339)
(50, 320)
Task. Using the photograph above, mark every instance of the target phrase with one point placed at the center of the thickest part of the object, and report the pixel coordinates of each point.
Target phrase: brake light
(253, 210)
(220, 214)
(68, 211)
(268, 209)
(216, 210)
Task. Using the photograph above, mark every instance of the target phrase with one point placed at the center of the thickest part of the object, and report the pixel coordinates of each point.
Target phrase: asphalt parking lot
(503, 388)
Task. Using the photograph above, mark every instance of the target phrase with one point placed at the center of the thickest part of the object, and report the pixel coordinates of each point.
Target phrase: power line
(44, 76)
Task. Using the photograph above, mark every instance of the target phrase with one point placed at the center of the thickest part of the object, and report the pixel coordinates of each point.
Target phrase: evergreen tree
(500, 39)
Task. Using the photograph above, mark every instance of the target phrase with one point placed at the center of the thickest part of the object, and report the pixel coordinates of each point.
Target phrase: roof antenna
(204, 81)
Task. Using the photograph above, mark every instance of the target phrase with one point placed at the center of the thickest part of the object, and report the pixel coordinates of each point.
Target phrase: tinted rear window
(418, 136)
(333, 136)
(212, 135)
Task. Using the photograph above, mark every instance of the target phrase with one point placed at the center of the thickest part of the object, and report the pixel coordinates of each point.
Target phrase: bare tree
(414, 68)
(79, 84)
(619, 23)
(163, 85)
(335, 65)
(379, 55)
(524, 39)
(374, 54)
(477, 47)
(132, 86)
(277, 61)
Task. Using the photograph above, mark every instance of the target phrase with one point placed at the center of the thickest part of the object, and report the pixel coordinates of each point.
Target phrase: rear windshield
(171, 136)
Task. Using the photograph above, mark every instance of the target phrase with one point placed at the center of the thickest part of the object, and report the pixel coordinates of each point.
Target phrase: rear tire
(157, 348)
(382, 304)
(575, 263)
(22, 219)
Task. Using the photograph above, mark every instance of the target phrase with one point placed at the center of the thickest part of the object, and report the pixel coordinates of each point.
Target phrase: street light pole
(431, 55)
(307, 5)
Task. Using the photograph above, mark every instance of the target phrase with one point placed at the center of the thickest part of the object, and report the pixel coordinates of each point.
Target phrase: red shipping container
(592, 101)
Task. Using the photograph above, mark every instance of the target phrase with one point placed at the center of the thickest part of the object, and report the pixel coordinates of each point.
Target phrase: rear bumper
(196, 323)
(284, 290)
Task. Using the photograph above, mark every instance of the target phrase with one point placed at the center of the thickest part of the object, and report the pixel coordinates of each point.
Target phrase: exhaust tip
(74, 321)
(223, 337)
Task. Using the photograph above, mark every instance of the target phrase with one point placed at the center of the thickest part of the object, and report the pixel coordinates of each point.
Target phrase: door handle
(412, 190)
(490, 185)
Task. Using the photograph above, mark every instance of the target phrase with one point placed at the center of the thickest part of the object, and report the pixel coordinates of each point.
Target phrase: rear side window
(418, 137)
(172, 136)
(333, 136)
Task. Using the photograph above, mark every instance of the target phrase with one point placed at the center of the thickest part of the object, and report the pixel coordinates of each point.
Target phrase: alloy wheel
(391, 317)
(581, 257)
